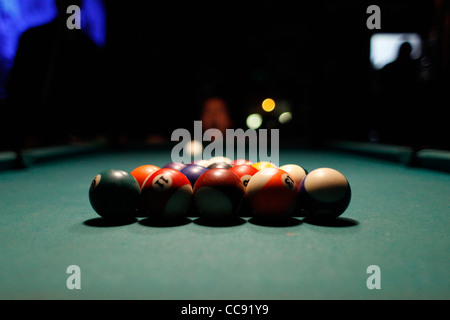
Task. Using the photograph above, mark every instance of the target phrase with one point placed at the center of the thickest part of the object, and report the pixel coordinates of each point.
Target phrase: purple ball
(193, 172)
(175, 166)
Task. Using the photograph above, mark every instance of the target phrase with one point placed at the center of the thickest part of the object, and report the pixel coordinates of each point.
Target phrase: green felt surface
(398, 219)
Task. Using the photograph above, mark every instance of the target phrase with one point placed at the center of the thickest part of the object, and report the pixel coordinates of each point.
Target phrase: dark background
(161, 61)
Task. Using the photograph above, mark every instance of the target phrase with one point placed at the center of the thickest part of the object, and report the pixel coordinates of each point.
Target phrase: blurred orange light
(268, 105)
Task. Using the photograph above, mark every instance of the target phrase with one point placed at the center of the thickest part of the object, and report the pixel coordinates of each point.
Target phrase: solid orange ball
(143, 172)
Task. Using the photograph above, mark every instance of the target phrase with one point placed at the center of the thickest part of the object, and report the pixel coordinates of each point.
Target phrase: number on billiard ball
(114, 194)
(296, 172)
(271, 193)
(245, 172)
(143, 172)
(166, 194)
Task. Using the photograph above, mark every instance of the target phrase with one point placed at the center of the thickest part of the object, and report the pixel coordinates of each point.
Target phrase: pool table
(398, 221)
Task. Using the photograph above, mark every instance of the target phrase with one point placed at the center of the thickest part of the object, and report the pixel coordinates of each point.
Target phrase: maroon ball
(218, 194)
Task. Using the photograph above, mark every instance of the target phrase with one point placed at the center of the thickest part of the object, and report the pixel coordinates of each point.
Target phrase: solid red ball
(244, 172)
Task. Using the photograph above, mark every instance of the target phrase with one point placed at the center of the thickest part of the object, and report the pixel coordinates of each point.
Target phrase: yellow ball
(264, 164)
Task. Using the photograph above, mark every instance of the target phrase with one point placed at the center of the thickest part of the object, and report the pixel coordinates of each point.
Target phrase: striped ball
(166, 193)
(271, 193)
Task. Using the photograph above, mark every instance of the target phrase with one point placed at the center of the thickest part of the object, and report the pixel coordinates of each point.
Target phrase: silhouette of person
(215, 115)
(400, 96)
(54, 82)
(402, 73)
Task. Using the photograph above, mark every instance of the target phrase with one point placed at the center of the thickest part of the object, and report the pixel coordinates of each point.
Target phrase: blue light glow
(16, 16)
(93, 19)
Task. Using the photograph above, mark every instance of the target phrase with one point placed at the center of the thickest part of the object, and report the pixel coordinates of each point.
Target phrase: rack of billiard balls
(217, 188)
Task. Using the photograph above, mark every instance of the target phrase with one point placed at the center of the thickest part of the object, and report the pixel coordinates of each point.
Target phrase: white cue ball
(325, 193)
